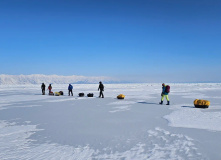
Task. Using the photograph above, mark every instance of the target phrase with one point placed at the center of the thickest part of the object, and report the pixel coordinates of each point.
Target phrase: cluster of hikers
(70, 89)
(43, 88)
(165, 91)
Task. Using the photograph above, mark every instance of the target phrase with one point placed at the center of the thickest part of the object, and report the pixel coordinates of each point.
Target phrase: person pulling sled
(165, 92)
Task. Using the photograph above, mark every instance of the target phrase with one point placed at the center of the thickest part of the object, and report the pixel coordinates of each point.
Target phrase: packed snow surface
(35, 126)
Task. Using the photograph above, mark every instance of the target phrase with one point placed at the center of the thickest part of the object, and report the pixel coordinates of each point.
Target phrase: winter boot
(161, 102)
(168, 102)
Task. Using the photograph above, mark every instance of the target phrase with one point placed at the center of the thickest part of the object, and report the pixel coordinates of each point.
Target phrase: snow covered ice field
(42, 127)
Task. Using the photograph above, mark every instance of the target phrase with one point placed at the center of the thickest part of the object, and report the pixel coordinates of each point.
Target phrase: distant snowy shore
(57, 79)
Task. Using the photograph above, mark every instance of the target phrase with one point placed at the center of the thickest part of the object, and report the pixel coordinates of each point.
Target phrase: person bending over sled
(49, 88)
(165, 92)
(101, 88)
(70, 87)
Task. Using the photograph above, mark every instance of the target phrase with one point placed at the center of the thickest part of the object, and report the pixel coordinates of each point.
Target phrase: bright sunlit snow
(35, 126)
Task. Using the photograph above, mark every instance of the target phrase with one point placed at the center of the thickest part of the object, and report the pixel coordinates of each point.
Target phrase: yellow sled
(57, 93)
(200, 103)
(121, 96)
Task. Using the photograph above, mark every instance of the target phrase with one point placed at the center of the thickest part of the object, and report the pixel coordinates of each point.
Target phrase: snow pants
(43, 91)
(70, 91)
(165, 96)
(101, 94)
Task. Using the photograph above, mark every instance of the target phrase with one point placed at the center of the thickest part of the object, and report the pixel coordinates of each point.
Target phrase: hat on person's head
(163, 84)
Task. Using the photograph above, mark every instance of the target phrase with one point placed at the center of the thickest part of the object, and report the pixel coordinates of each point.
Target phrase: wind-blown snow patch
(190, 117)
(166, 145)
(4, 106)
(121, 106)
(120, 109)
(122, 102)
(161, 144)
(21, 98)
(16, 145)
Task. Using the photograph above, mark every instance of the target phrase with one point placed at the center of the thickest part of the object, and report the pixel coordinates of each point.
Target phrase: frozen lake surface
(35, 126)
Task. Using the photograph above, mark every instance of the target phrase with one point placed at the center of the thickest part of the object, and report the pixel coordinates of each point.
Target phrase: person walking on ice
(101, 88)
(43, 88)
(165, 92)
(70, 87)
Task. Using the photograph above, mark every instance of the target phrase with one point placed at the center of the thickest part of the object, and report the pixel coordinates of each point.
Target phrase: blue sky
(134, 40)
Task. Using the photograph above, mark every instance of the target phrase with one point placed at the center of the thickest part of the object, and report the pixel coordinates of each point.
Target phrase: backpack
(70, 87)
(101, 87)
(167, 90)
(90, 94)
(81, 94)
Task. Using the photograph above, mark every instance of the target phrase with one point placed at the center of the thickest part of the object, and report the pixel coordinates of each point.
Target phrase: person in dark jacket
(164, 94)
(101, 88)
(70, 88)
(43, 88)
(49, 88)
